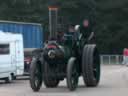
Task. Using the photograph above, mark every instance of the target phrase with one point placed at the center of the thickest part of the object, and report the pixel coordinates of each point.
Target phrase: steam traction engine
(70, 59)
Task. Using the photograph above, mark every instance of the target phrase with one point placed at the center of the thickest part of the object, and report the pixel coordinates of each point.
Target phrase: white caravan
(11, 56)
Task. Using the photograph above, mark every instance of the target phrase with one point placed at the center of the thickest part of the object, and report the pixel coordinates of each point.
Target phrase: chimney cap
(53, 7)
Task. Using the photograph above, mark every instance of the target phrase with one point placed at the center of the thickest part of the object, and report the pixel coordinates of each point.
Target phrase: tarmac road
(114, 82)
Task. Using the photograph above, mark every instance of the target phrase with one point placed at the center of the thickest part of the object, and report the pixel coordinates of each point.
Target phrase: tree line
(110, 17)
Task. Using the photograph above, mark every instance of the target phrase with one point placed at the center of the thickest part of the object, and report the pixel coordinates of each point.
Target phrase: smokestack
(53, 16)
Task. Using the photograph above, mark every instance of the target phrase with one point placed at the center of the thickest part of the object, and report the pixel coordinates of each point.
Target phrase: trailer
(32, 37)
(11, 56)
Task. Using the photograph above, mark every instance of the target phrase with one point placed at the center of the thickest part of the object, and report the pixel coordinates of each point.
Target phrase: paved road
(114, 82)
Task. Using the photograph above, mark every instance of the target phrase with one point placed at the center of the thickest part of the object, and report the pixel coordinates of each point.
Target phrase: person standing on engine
(86, 30)
(72, 31)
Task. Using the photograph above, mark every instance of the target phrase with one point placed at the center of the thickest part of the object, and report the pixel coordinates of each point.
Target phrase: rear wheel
(35, 75)
(91, 65)
(49, 81)
(9, 79)
(72, 74)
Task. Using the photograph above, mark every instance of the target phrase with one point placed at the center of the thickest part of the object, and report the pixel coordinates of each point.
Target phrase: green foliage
(111, 17)
(112, 25)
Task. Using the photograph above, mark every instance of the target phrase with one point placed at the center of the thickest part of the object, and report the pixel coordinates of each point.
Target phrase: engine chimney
(53, 16)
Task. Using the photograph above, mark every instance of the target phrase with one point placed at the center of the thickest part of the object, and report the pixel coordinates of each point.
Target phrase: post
(117, 59)
(109, 60)
(101, 58)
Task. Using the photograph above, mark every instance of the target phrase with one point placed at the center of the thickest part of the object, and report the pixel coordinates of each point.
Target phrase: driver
(85, 30)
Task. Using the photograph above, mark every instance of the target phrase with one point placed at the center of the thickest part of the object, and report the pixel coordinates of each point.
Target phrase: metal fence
(111, 59)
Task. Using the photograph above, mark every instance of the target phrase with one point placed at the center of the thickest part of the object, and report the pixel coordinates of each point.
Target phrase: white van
(11, 56)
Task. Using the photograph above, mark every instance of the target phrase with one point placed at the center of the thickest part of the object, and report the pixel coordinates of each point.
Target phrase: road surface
(114, 82)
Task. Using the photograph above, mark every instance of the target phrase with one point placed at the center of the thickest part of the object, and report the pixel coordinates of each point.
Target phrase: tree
(109, 19)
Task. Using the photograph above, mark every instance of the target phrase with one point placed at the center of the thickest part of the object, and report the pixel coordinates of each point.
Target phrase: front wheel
(49, 82)
(35, 75)
(72, 74)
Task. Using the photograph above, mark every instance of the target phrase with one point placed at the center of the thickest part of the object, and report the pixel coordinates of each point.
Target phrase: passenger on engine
(72, 32)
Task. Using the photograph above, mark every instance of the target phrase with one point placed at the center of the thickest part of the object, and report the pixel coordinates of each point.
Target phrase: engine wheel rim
(74, 77)
(96, 66)
(36, 77)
